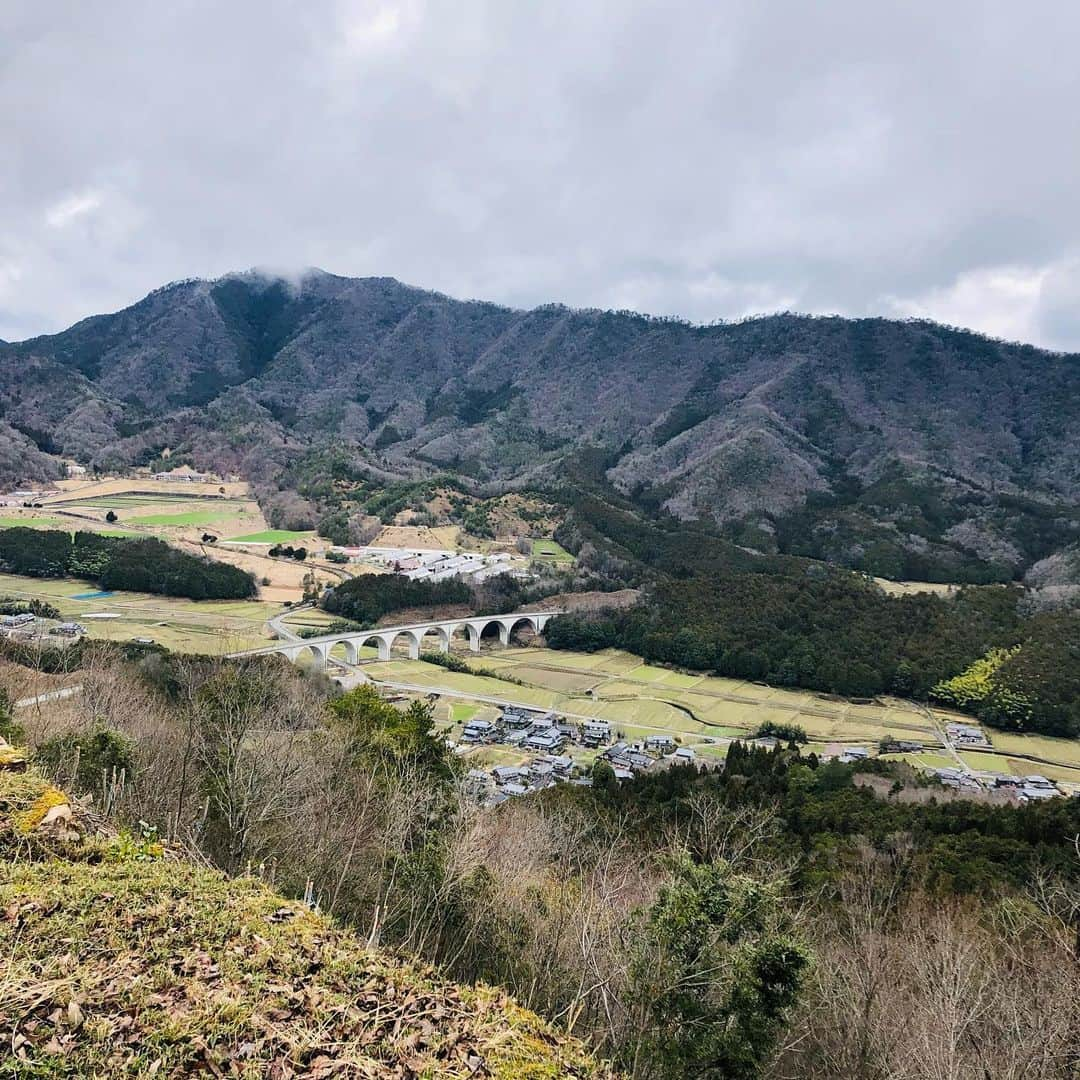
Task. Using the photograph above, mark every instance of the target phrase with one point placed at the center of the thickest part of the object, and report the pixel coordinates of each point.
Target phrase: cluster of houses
(838, 752)
(966, 735)
(27, 497)
(420, 564)
(1025, 789)
(14, 622)
(551, 737)
(626, 759)
(26, 626)
(524, 729)
(511, 781)
(957, 779)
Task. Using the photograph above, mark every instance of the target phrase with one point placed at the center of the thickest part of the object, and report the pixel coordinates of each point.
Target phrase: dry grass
(117, 962)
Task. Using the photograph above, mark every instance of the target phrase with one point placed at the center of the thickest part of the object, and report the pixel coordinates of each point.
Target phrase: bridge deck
(421, 628)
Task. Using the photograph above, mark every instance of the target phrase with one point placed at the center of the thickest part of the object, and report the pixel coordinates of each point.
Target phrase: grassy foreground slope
(118, 961)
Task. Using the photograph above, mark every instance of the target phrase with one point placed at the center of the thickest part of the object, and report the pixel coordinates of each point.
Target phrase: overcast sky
(703, 158)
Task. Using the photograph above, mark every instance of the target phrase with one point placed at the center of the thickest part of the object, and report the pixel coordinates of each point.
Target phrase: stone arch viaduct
(319, 648)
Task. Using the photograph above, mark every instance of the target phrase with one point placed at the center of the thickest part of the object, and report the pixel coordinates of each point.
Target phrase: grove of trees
(114, 562)
(709, 605)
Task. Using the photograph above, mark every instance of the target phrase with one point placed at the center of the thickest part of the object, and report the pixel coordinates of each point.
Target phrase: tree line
(113, 562)
(367, 598)
(710, 605)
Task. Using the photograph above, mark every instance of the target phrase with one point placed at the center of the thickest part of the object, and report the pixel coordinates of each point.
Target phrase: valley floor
(705, 712)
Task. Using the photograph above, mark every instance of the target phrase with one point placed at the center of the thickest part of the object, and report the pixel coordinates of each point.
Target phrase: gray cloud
(699, 158)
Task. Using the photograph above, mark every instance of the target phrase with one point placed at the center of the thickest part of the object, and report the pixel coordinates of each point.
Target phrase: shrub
(84, 760)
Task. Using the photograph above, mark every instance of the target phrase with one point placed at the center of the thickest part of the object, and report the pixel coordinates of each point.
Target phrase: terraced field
(32, 521)
(181, 513)
(640, 699)
(200, 626)
(701, 710)
(40, 519)
(188, 517)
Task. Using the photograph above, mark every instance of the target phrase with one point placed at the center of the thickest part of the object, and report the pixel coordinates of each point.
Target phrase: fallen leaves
(164, 969)
(74, 1013)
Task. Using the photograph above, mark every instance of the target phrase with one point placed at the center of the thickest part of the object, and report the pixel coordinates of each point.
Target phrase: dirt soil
(425, 614)
(586, 601)
(442, 537)
(86, 489)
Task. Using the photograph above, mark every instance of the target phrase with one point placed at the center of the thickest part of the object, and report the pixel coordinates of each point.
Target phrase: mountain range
(881, 444)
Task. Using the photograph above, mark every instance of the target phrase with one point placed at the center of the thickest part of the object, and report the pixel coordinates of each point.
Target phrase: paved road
(277, 627)
(946, 742)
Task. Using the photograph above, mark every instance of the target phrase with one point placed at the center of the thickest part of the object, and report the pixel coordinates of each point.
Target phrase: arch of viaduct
(319, 648)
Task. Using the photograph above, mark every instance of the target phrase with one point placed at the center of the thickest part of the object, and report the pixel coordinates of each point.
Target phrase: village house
(966, 734)
(1037, 787)
(854, 753)
(659, 743)
(595, 732)
(476, 731)
(561, 764)
(549, 739)
(517, 719)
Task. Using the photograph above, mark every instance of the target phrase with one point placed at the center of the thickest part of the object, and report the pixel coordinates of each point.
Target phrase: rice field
(66, 523)
(924, 761)
(1067, 751)
(41, 521)
(642, 699)
(121, 501)
(200, 626)
(983, 762)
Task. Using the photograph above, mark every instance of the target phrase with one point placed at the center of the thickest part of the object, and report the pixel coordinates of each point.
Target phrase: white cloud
(70, 209)
(1039, 305)
(1000, 301)
(372, 26)
(704, 158)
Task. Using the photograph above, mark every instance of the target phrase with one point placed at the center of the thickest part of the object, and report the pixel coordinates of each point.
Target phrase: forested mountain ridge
(877, 444)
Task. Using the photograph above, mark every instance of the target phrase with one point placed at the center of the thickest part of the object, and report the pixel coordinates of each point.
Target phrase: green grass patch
(924, 761)
(985, 762)
(271, 536)
(462, 712)
(190, 517)
(41, 522)
(550, 551)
